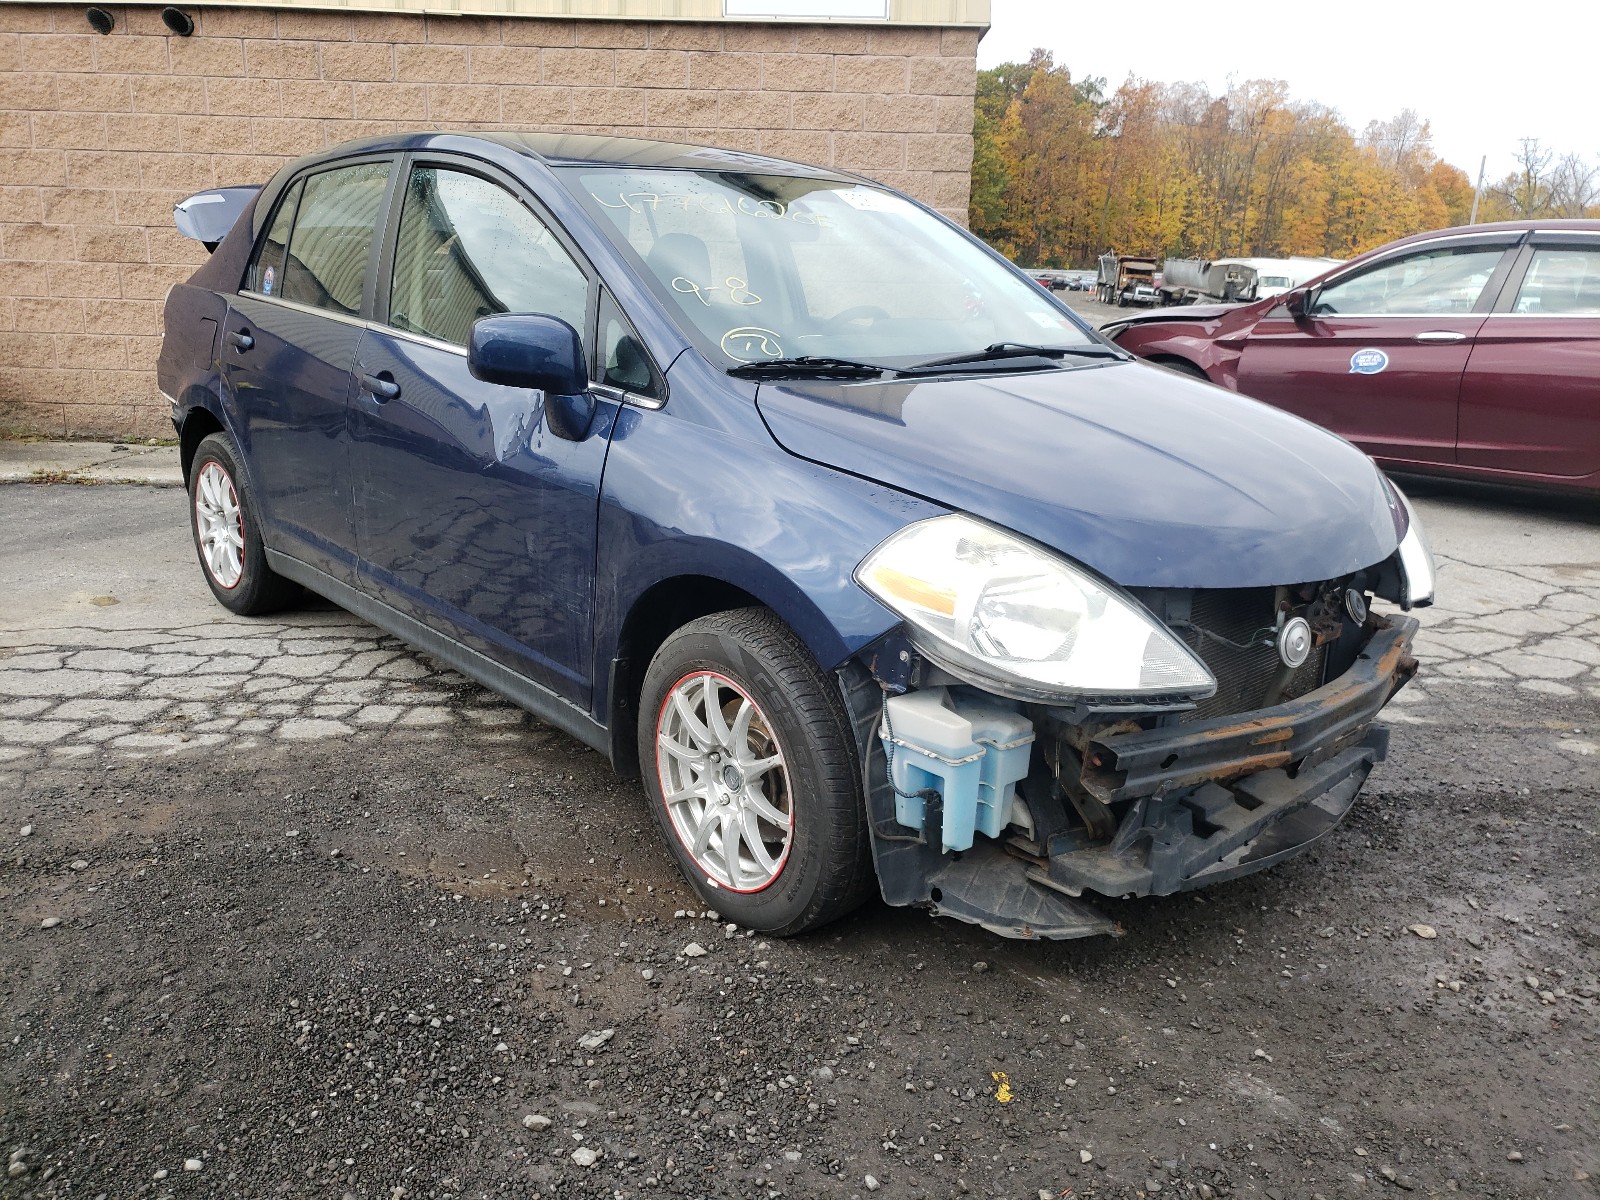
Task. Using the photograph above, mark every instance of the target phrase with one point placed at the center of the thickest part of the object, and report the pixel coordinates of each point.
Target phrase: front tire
(227, 533)
(1183, 367)
(752, 774)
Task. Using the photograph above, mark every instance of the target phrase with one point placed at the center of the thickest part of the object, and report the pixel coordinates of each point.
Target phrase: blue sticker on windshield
(1368, 362)
(266, 282)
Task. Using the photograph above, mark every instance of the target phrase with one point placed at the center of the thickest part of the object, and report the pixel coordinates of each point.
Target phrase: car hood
(1184, 312)
(1147, 477)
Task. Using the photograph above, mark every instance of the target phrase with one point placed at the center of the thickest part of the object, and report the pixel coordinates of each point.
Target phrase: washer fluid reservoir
(969, 747)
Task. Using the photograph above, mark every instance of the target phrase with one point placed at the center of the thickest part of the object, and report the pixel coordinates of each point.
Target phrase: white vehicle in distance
(1274, 276)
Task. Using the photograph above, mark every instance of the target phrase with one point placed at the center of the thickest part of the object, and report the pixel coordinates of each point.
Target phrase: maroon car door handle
(1440, 335)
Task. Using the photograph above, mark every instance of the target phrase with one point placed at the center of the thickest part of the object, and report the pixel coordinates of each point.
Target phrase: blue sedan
(880, 568)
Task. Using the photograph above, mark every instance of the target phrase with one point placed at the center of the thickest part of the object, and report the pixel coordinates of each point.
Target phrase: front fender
(1191, 342)
(725, 503)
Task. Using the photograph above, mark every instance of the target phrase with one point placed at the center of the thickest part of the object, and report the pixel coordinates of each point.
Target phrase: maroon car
(1472, 352)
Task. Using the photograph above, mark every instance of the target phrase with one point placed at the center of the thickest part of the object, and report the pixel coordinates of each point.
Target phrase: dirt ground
(447, 956)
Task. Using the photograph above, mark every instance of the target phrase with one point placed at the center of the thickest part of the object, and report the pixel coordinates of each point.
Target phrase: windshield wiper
(1003, 350)
(828, 367)
(807, 364)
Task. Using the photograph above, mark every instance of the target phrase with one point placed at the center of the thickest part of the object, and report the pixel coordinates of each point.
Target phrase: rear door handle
(240, 339)
(1441, 335)
(380, 385)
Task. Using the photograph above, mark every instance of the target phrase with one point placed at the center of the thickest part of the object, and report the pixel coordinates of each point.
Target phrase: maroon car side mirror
(1295, 302)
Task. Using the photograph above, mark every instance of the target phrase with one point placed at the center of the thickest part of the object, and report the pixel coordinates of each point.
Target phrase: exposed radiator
(1243, 676)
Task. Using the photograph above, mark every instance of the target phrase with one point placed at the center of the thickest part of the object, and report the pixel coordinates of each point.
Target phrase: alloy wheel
(724, 781)
(219, 525)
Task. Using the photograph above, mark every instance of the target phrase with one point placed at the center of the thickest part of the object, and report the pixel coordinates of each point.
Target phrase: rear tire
(752, 774)
(227, 534)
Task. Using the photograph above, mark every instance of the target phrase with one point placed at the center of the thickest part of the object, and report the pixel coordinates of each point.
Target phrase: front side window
(775, 266)
(266, 268)
(1565, 282)
(1440, 281)
(469, 249)
(331, 246)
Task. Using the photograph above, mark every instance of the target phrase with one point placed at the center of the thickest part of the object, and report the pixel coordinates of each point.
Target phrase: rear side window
(1562, 281)
(467, 249)
(334, 229)
(266, 268)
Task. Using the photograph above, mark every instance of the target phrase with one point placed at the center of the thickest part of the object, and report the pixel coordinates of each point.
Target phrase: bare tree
(1404, 143)
(1574, 186)
(1526, 191)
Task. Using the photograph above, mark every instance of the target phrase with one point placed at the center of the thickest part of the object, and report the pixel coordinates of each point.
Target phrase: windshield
(777, 266)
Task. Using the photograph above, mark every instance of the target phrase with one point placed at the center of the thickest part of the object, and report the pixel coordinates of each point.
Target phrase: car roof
(549, 150)
(580, 149)
(570, 149)
(1552, 224)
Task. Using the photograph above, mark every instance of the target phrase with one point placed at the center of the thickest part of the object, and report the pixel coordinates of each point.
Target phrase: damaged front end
(1007, 811)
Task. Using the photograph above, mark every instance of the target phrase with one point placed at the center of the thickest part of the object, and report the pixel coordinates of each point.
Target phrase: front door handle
(382, 386)
(1440, 335)
(240, 339)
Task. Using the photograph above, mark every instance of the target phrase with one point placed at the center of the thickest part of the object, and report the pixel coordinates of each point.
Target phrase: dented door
(471, 515)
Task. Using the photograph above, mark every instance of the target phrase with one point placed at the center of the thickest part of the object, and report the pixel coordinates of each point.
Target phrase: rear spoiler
(207, 216)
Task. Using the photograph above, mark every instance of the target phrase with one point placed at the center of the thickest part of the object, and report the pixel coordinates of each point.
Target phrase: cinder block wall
(101, 135)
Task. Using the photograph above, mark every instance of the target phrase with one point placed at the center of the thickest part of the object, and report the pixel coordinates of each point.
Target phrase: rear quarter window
(266, 268)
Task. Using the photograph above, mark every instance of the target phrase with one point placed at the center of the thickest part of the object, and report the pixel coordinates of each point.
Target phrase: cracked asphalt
(292, 910)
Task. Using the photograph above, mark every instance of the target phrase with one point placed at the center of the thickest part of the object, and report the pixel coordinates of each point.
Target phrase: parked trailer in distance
(1187, 280)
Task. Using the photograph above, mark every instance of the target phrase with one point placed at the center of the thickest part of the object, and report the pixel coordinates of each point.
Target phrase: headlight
(1399, 507)
(1416, 559)
(996, 609)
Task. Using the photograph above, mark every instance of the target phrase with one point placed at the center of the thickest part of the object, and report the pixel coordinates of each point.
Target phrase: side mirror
(1297, 302)
(528, 350)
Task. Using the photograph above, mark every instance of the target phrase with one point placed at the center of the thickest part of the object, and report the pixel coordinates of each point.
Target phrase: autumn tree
(1034, 152)
(1063, 171)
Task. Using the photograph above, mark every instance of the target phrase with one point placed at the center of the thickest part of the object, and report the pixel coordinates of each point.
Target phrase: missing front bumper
(1184, 839)
(1198, 804)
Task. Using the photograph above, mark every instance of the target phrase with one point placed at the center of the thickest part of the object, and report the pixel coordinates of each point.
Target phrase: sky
(1482, 76)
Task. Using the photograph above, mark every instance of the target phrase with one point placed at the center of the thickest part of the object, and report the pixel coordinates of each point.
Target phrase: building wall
(101, 135)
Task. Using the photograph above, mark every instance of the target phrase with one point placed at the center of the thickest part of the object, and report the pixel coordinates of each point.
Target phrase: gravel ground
(1086, 306)
(393, 939)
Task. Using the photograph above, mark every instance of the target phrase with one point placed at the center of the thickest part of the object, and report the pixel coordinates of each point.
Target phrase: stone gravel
(424, 1013)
